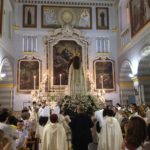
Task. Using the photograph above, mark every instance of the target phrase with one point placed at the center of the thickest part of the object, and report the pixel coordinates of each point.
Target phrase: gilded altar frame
(57, 42)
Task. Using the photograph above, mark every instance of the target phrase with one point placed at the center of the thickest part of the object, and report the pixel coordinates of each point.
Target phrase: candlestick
(60, 79)
(102, 81)
(34, 82)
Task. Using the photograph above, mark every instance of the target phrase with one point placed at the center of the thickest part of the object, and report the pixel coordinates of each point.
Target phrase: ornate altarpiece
(61, 44)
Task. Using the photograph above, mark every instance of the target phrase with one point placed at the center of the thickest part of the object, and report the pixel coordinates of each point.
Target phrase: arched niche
(6, 72)
(127, 93)
(60, 39)
(6, 84)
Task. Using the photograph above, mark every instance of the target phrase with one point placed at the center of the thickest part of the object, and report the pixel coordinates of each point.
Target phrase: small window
(29, 43)
(102, 45)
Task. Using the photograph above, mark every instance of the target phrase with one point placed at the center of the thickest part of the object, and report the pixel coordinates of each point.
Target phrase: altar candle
(60, 79)
(102, 81)
(34, 82)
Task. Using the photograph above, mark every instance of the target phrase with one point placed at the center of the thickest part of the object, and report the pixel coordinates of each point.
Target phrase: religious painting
(29, 72)
(49, 17)
(104, 74)
(139, 14)
(29, 16)
(1, 16)
(63, 52)
(55, 17)
(102, 18)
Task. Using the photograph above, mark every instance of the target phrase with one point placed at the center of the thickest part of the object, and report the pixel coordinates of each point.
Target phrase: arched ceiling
(124, 72)
(7, 70)
(144, 66)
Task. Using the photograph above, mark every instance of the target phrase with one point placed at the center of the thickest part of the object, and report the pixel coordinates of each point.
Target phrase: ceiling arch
(6, 68)
(125, 71)
(144, 66)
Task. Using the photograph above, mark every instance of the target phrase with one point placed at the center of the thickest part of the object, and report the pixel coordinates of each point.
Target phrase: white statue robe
(110, 137)
(54, 137)
(77, 84)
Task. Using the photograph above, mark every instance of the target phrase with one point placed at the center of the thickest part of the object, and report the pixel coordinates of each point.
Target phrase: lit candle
(60, 79)
(34, 82)
(102, 81)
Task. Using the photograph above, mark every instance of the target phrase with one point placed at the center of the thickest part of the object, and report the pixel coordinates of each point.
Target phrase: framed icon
(29, 16)
(102, 18)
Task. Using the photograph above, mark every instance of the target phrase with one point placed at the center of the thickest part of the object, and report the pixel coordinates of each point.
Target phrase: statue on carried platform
(77, 84)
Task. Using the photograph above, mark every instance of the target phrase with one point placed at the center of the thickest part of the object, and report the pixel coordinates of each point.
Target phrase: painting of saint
(102, 18)
(138, 15)
(28, 75)
(104, 74)
(84, 20)
(29, 15)
(58, 16)
(62, 54)
(49, 17)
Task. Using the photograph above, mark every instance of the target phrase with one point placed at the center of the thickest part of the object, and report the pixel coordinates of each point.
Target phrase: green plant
(87, 101)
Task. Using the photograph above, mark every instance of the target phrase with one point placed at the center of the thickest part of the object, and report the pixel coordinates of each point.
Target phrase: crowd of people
(43, 127)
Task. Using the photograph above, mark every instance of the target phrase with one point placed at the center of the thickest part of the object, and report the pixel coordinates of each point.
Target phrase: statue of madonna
(77, 84)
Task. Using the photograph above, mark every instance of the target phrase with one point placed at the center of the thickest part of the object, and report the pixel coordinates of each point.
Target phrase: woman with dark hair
(135, 134)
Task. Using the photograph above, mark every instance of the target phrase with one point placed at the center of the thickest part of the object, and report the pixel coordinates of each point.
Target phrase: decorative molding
(66, 33)
(126, 84)
(105, 3)
(144, 78)
(7, 85)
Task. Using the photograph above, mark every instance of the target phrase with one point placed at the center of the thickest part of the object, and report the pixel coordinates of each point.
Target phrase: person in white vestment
(56, 109)
(9, 132)
(43, 115)
(34, 116)
(65, 120)
(99, 117)
(148, 114)
(20, 142)
(54, 136)
(110, 137)
(77, 85)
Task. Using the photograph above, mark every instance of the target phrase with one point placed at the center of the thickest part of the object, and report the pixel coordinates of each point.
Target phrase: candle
(34, 82)
(102, 81)
(60, 79)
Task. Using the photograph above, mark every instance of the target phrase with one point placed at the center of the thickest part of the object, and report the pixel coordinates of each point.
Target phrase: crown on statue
(76, 53)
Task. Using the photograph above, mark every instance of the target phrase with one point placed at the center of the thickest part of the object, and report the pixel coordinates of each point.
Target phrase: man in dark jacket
(81, 126)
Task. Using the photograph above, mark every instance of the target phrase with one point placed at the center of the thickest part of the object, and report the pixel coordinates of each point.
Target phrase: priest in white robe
(54, 136)
(110, 137)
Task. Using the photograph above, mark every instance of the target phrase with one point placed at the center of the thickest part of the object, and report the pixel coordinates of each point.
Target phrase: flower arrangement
(87, 101)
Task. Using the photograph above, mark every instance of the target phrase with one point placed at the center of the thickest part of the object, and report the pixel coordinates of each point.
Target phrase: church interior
(39, 37)
(63, 51)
